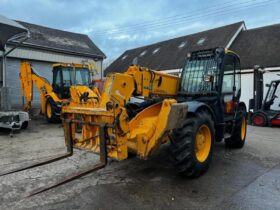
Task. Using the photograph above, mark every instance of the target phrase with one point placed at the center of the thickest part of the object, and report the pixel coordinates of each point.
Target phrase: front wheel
(192, 145)
(237, 140)
(50, 111)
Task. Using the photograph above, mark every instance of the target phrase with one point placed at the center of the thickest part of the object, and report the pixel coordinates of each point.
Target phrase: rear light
(230, 107)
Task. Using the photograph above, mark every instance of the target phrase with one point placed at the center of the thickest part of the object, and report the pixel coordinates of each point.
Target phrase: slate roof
(167, 54)
(9, 29)
(259, 46)
(60, 41)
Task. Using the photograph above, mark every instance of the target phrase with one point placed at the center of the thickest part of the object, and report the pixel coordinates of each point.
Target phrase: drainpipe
(3, 69)
(5, 54)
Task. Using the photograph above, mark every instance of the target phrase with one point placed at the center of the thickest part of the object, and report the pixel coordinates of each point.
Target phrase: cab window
(228, 82)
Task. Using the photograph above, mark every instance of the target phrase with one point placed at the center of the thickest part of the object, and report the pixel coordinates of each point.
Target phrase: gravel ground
(237, 179)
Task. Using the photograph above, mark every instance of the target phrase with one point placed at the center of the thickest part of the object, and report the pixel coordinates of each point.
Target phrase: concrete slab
(263, 193)
(242, 179)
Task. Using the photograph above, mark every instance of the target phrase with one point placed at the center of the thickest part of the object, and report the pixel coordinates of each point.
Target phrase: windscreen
(194, 73)
(82, 77)
(79, 76)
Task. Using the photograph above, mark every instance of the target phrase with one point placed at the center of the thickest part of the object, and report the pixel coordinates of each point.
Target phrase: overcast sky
(118, 25)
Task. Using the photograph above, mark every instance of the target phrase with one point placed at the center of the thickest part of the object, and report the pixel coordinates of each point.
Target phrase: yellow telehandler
(191, 112)
(71, 86)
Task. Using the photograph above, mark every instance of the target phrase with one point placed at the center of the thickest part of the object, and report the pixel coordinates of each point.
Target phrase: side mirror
(267, 85)
(219, 52)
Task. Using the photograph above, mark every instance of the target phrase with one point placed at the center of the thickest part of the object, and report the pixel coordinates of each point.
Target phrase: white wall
(53, 57)
(246, 88)
(13, 82)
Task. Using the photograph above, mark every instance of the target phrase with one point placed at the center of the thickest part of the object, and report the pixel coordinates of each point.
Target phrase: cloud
(127, 37)
(116, 26)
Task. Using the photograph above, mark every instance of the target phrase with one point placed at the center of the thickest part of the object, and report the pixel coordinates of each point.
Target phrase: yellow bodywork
(28, 77)
(140, 134)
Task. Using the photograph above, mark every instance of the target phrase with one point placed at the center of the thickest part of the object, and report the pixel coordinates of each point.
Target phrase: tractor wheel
(50, 111)
(191, 146)
(237, 140)
(259, 119)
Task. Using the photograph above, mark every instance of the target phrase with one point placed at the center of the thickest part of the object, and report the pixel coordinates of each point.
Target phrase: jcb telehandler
(71, 85)
(191, 112)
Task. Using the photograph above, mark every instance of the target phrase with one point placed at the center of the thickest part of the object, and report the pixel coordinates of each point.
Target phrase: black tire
(259, 119)
(183, 145)
(51, 117)
(238, 138)
(24, 125)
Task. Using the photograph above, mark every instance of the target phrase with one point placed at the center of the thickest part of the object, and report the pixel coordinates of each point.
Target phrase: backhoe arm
(27, 78)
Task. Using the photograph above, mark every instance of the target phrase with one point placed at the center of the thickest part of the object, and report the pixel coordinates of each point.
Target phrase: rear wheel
(237, 140)
(259, 119)
(51, 111)
(192, 146)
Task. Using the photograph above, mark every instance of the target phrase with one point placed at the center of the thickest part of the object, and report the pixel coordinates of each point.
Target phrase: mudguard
(194, 106)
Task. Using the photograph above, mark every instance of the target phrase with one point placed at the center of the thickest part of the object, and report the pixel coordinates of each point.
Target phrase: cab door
(57, 82)
(231, 85)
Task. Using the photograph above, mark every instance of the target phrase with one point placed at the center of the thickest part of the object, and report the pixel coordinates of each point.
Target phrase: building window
(182, 44)
(143, 53)
(124, 57)
(156, 50)
(201, 41)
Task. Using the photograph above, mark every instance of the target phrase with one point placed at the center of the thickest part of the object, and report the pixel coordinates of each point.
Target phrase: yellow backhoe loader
(191, 112)
(71, 86)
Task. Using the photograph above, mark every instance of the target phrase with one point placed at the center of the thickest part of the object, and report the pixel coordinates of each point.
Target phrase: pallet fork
(69, 143)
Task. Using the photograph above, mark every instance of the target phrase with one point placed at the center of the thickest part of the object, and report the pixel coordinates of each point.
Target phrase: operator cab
(65, 76)
(212, 73)
(213, 78)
